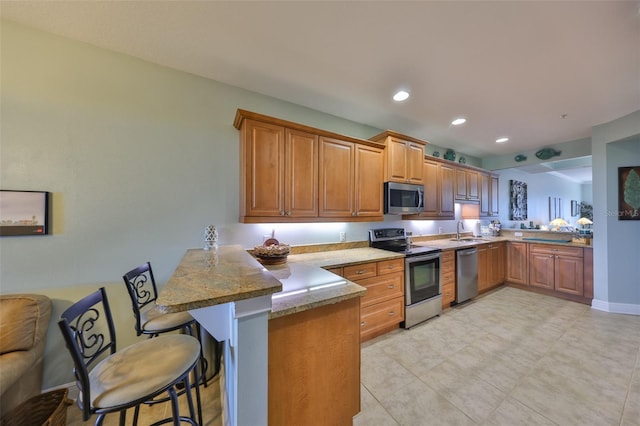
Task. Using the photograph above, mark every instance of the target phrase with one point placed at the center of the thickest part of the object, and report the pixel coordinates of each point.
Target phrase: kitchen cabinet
(382, 307)
(489, 184)
(314, 366)
(467, 184)
(403, 157)
(517, 263)
(350, 180)
(556, 267)
(294, 173)
(491, 266)
(448, 266)
(438, 191)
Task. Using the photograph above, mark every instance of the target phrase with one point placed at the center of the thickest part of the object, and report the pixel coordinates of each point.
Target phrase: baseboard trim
(617, 308)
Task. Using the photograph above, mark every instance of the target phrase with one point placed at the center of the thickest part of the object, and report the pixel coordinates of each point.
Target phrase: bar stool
(141, 286)
(123, 379)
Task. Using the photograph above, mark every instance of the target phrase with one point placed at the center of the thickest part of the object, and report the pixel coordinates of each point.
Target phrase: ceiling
(511, 68)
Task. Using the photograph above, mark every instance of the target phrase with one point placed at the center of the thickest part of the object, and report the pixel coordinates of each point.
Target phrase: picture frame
(517, 200)
(24, 213)
(629, 193)
(575, 210)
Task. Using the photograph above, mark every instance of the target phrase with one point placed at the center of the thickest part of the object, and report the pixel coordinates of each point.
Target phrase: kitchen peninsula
(301, 318)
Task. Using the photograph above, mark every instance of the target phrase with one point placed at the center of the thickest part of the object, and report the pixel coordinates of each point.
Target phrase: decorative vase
(210, 237)
(450, 155)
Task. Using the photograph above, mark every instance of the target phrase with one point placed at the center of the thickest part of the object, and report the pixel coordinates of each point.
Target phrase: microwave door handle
(420, 195)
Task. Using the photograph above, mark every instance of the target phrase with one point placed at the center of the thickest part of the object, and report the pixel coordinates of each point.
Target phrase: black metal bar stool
(113, 381)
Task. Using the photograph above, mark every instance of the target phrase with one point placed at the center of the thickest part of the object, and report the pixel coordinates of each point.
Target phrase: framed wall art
(24, 213)
(629, 193)
(517, 200)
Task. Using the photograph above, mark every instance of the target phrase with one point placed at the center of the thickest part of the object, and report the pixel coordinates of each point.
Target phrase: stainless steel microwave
(403, 198)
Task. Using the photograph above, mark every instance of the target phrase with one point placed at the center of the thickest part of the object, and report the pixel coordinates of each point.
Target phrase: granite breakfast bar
(286, 328)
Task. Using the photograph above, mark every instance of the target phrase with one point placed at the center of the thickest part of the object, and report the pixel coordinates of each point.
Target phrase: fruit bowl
(273, 254)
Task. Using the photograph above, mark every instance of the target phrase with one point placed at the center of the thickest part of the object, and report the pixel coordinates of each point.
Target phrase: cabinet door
(263, 174)
(461, 184)
(569, 275)
(485, 195)
(415, 158)
(541, 270)
(431, 194)
(447, 180)
(396, 160)
(301, 177)
(588, 273)
(369, 164)
(498, 256)
(495, 184)
(336, 178)
(517, 263)
(473, 185)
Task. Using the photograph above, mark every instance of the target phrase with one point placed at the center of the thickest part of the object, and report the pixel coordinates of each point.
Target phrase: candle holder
(210, 237)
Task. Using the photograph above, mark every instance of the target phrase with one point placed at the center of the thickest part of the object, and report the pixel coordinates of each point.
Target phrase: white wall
(540, 186)
(617, 242)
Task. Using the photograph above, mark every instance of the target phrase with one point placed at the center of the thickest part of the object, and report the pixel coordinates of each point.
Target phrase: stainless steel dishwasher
(466, 274)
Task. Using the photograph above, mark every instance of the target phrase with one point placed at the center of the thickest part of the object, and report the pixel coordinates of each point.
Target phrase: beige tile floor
(508, 358)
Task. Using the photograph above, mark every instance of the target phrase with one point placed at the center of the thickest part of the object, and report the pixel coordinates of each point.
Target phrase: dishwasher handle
(467, 252)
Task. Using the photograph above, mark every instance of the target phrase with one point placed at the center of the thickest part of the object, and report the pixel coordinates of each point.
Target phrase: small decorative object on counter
(462, 160)
(519, 158)
(450, 155)
(495, 227)
(210, 237)
(436, 153)
(273, 254)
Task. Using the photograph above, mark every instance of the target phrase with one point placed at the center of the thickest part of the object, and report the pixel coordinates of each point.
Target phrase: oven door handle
(413, 259)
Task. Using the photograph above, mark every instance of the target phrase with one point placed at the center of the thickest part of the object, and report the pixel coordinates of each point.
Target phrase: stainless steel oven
(423, 293)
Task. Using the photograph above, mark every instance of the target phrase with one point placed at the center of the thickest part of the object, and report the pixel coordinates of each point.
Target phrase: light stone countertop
(212, 277)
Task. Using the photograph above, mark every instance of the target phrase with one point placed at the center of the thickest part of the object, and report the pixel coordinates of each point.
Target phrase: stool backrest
(88, 331)
(142, 290)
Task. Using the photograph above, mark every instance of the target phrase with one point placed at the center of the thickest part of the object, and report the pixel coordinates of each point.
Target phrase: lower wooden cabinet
(382, 307)
(314, 366)
(448, 267)
(517, 263)
(491, 266)
(557, 268)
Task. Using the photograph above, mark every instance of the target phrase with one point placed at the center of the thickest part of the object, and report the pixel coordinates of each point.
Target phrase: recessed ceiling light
(502, 140)
(401, 95)
(459, 121)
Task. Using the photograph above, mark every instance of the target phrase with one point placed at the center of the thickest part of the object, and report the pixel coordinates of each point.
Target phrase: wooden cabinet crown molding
(242, 114)
(390, 133)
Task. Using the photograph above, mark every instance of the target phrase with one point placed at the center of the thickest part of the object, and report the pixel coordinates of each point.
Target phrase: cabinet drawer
(448, 278)
(337, 270)
(390, 266)
(358, 272)
(380, 316)
(556, 250)
(448, 294)
(448, 255)
(447, 267)
(382, 288)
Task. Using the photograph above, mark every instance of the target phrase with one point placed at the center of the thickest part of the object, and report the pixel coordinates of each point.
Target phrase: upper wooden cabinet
(488, 195)
(467, 185)
(403, 157)
(350, 180)
(294, 173)
(438, 179)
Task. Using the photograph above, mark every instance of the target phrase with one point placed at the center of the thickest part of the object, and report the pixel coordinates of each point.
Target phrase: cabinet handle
(360, 272)
(391, 313)
(281, 212)
(391, 266)
(362, 323)
(391, 286)
(288, 213)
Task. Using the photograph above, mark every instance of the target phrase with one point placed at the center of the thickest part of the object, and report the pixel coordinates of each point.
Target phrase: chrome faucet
(458, 225)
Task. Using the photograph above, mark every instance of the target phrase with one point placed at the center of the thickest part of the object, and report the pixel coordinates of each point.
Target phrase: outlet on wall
(439, 229)
(343, 237)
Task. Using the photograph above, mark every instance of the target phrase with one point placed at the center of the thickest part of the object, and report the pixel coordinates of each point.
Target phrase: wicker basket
(47, 409)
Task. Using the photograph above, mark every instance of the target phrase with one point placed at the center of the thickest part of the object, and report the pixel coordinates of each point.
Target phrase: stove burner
(394, 239)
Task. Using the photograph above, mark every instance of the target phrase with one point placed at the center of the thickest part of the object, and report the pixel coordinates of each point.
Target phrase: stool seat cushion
(154, 320)
(142, 369)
